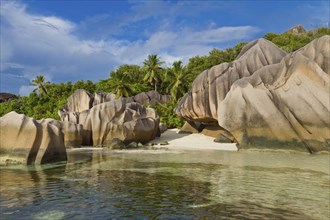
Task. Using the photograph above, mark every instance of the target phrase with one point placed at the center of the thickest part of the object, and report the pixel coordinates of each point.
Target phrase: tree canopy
(40, 82)
(152, 67)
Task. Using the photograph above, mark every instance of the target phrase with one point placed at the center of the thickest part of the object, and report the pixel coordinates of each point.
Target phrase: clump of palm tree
(120, 87)
(120, 82)
(40, 82)
(177, 76)
(152, 66)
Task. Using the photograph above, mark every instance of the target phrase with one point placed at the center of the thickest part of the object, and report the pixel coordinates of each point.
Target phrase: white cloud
(47, 45)
(222, 34)
(33, 44)
(161, 40)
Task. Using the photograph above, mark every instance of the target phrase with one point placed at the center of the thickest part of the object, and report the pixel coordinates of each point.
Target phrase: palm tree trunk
(155, 86)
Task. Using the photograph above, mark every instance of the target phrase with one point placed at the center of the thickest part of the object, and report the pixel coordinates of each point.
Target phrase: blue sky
(72, 40)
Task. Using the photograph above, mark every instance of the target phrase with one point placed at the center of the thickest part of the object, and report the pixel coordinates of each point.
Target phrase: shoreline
(174, 141)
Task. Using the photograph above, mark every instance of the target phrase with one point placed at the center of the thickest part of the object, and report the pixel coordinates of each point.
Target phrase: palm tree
(40, 82)
(178, 85)
(152, 67)
(120, 87)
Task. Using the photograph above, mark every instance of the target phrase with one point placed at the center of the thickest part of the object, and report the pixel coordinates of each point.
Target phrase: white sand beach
(191, 142)
(176, 143)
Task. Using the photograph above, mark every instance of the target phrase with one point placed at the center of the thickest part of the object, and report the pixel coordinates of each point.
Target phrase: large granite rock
(101, 97)
(285, 105)
(142, 98)
(103, 117)
(191, 127)
(24, 140)
(73, 133)
(267, 99)
(79, 101)
(125, 120)
(211, 86)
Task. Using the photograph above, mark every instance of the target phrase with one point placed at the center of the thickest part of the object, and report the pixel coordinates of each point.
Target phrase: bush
(168, 116)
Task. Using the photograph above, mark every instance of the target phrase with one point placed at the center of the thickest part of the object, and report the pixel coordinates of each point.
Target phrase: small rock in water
(163, 143)
(132, 145)
(117, 144)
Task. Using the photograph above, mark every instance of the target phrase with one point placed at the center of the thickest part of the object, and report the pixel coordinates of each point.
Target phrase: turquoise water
(169, 185)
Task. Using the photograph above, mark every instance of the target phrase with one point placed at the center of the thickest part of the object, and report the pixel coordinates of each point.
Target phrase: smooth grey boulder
(162, 128)
(116, 144)
(73, 133)
(142, 98)
(117, 119)
(190, 127)
(210, 87)
(79, 101)
(284, 105)
(103, 117)
(24, 140)
(151, 98)
(126, 121)
(100, 97)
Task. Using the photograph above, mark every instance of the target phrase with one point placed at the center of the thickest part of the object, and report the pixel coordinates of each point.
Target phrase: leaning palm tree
(152, 67)
(178, 85)
(40, 82)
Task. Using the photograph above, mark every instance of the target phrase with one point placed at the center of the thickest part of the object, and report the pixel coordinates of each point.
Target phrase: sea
(169, 184)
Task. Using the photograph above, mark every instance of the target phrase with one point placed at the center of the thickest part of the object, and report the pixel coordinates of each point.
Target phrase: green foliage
(127, 80)
(121, 87)
(13, 105)
(167, 114)
(176, 77)
(40, 106)
(292, 41)
(132, 73)
(88, 86)
(152, 70)
(40, 82)
(198, 64)
(103, 85)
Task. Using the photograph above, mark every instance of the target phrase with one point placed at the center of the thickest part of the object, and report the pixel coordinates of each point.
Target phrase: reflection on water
(169, 185)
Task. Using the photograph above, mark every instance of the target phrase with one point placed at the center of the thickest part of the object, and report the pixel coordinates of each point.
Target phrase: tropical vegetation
(129, 80)
(39, 82)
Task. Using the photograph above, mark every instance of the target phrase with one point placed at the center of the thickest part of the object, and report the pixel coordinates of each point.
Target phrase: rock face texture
(285, 105)
(267, 99)
(126, 121)
(72, 132)
(101, 97)
(24, 140)
(211, 86)
(81, 100)
(122, 119)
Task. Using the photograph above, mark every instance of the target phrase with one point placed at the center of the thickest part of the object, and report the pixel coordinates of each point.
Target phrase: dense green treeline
(129, 80)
